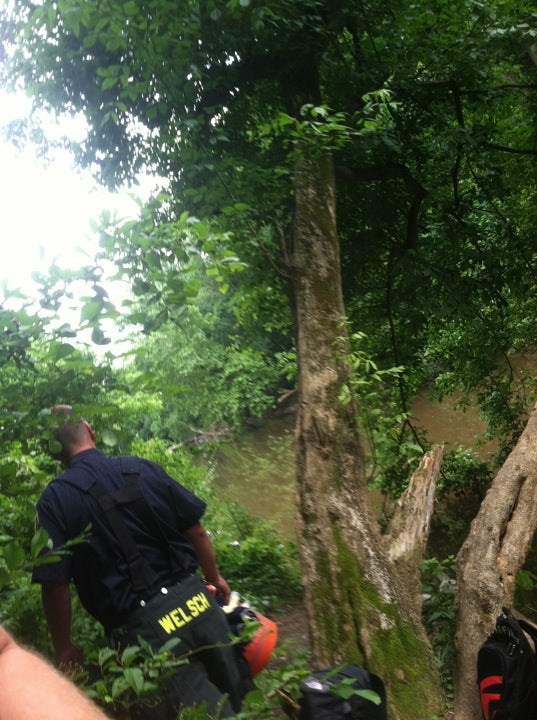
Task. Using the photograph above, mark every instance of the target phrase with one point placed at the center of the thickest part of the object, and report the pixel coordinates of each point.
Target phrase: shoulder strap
(132, 493)
(142, 576)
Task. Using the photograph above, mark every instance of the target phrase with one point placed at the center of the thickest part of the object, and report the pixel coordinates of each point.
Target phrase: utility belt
(171, 612)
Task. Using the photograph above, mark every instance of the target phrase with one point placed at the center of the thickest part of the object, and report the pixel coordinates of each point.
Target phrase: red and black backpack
(507, 670)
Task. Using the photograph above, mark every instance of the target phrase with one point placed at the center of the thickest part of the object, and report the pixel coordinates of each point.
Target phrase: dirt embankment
(292, 625)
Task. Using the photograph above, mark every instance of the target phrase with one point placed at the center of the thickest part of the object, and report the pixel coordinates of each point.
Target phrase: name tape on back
(185, 613)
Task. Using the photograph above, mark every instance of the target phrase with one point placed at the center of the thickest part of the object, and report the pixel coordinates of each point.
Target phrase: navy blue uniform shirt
(97, 566)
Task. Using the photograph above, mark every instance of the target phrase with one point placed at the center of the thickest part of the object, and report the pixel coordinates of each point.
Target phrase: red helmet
(258, 650)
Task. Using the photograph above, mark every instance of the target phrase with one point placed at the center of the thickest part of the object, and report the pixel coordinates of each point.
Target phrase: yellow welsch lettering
(178, 623)
(198, 604)
(191, 605)
(178, 617)
(167, 623)
(203, 602)
(186, 618)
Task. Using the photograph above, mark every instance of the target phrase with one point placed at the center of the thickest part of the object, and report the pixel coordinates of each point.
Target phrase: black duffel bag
(336, 694)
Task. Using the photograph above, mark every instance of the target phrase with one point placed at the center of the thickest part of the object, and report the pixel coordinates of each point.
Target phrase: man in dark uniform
(136, 571)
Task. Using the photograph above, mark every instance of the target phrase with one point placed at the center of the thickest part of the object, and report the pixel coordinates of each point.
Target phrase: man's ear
(90, 430)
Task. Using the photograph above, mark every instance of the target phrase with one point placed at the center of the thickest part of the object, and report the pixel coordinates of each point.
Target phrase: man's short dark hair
(70, 430)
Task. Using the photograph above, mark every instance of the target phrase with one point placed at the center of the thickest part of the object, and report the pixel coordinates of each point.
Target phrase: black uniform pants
(187, 611)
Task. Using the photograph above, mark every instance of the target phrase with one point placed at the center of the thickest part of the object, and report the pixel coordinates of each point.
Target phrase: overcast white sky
(45, 210)
(45, 213)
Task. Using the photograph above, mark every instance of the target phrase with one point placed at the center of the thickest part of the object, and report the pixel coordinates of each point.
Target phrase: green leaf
(144, 645)
(47, 559)
(170, 645)
(98, 337)
(51, 17)
(13, 555)
(119, 686)
(368, 695)
(345, 689)
(106, 654)
(135, 679)
(61, 350)
(109, 438)
(90, 311)
(4, 577)
(129, 655)
(39, 542)
(108, 83)
(8, 471)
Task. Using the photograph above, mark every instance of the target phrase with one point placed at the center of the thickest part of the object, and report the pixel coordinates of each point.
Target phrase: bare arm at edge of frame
(31, 688)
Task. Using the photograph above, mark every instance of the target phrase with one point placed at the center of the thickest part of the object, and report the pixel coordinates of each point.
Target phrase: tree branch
(515, 151)
(409, 527)
(389, 171)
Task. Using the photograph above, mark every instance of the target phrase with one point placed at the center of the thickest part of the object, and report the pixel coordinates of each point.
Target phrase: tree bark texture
(360, 609)
(409, 526)
(489, 560)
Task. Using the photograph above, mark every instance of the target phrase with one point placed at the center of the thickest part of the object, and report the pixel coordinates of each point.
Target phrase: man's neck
(80, 449)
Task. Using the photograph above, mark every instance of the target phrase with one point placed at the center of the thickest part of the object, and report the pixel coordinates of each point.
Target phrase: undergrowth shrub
(438, 593)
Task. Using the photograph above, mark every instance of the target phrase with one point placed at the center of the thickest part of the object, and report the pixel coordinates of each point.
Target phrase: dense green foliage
(429, 114)
(219, 380)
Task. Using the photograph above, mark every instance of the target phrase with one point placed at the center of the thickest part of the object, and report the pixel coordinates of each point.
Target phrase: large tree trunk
(359, 608)
(491, 556)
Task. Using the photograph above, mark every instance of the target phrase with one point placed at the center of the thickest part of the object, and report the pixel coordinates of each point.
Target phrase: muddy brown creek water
(257, 469)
